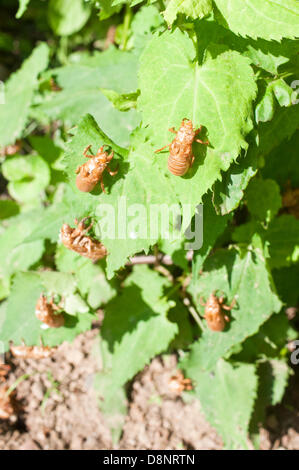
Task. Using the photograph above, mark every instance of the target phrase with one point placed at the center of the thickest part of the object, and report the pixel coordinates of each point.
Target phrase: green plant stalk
(126, 28)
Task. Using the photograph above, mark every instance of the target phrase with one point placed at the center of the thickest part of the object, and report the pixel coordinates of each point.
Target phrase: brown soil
(58, 408)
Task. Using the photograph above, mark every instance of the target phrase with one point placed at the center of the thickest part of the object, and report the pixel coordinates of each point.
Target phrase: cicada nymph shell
(76, 240)
(181, 157)
(91, 172)
(178, 384)
(45, 311)
(214, 315)
(32, 352)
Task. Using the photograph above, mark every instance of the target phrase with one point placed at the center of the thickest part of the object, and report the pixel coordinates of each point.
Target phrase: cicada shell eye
(85, 185)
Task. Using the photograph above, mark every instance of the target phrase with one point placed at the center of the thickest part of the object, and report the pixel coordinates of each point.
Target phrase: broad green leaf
(283, 125)
(23, 4)
(16, 255)
(267, 55)
(66, 209)
(286, 281)
(227, 395)
(278, 89)
(131, 337)
(68, 16)
(90, 277)
(191, 8)
(126, 223)
(263, 198)
(146, 21)
(272, 380)
(79, 97)
(237, 277)
(213, 226)
(18, 92)
(268, 342)
(28, 177)
(107, 9)
(269, 19)
(122, 102)
(283, 239)
(230, 190)
(174, 87)
(289, 171)
(180, 316)
(8, 208)
(20, 321)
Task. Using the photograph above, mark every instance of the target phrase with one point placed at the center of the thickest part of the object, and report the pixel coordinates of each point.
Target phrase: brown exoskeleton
(7, 403)
(91, 172)
(45, 312)
(181, 157)
(76, 239)
(214, 312)
(32, 352)
(11, 149)
(4, 370)
(177, 383)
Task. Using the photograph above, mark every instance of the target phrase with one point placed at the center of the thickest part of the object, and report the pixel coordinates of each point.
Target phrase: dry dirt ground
(58, 408)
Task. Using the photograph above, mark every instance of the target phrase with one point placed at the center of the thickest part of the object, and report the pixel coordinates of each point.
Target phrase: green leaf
(122, 102)
(230, 190)
(213, 226)
(227, 405)
(66, 17)
(191, 8)
(208, 94)
(90, 277)
(267, 19)
(131, 337)
(79, 97)
(180, 316)
(124, 213)
(23, 4)
(16, 255)
(283, 238)
(283, 125)
(21, 323)
(236, 277)
(286, 281)
(107, 9)
(8, 208)
(272, 381)
(18, 94)
(263, 199)
(28, 176)
(278, 89)
(146, 21)
(267, 55)
(268, 342)
(289, 171)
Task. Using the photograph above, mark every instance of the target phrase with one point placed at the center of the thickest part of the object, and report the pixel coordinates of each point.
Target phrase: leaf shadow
(119, 321)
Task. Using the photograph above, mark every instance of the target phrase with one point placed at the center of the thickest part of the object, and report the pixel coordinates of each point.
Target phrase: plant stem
(126, 27)
(193, 312)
